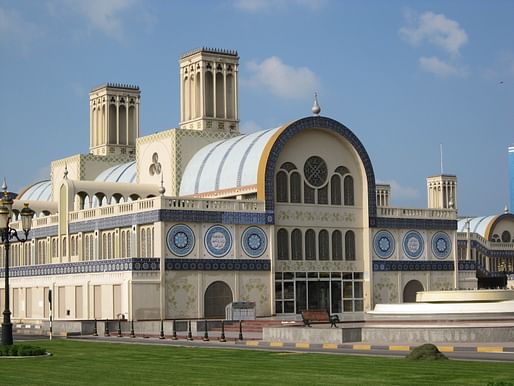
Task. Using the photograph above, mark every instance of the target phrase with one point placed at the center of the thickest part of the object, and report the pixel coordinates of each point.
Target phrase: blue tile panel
(217, 265)
(114, 265)
(319, 123)
(486, 251)
(415, 223)
(397, 266)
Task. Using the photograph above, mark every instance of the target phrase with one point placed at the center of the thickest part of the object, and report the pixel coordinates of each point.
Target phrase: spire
(162, 189)
(315, 107)
(506, 209)
(4, 186)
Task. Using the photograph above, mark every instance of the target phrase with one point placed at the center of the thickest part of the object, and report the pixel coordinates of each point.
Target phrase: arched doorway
(216, 298)
(409, 292)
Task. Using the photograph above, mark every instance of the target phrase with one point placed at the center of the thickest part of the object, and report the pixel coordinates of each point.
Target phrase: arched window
(296, 187)
(282, 244)
(349, 245)
(506, 237)
(335, 190)
(281, 184)
(310, 245)
(323, 195)
(64, 246)
(308, 194)
(348, 191)
(296, 245)
(323, 245)
(337, 245)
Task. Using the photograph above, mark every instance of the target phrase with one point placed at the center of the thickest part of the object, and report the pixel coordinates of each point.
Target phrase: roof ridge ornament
(316, 109)
(65, 171)
(162, 189)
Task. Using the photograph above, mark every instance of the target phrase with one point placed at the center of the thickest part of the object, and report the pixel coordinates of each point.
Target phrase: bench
(319, 316)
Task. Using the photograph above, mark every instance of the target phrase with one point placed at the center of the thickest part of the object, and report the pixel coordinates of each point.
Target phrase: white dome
(119, 173)
(40, 191)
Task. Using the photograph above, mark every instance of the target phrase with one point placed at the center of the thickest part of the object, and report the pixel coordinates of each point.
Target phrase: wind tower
(442, 189)
(209, 90)
(114, 119)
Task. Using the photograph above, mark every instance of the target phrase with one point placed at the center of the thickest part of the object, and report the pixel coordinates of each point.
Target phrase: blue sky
(404, 76)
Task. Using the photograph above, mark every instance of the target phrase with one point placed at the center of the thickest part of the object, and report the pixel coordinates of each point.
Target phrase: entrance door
(216, 298)
(409, 292)
(319, 295)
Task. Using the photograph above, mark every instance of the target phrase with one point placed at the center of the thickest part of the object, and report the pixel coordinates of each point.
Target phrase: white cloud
(437, 29)
(502, 68)
(14, 29)
(399, 191)
(264, 5)
(440, 67)
(103, 15)
(283, 80)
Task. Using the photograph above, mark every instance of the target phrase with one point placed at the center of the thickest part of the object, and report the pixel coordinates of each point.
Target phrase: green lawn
(97, 363)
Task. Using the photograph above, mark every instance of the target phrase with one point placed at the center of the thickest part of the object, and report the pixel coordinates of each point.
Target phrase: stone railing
(439, 214)
(167, 203)
(494, 246)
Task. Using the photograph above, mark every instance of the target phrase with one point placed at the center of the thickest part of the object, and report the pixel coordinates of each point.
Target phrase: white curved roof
(225, 164)
(119, 173)
(476, 224)
(40, 191)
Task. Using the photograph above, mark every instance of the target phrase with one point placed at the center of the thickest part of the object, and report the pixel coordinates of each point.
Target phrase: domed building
(180, 223)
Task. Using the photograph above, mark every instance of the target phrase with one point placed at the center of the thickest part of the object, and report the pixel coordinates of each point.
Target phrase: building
(180, 223)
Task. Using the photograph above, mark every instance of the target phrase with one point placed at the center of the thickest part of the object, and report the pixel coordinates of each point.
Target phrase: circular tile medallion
(218, 240)
(413, 244)
(441, 245)
(383, 244)
(254, 241)
(180, 240)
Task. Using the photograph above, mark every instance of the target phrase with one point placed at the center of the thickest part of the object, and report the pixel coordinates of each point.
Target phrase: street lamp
(6, 235)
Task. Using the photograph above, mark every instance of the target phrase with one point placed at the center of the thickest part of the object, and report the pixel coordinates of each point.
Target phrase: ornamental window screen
(323, 245)
(316, 186)
(282, 244)
(310, 245)
(296, 245)
(349, 245)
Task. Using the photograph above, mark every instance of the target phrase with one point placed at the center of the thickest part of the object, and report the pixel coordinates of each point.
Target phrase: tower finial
(65, 170)
(506, 209)
(316, 109)
(4, 186)
(162, 189)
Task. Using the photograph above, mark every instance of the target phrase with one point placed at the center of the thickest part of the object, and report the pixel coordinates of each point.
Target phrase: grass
(98, 363)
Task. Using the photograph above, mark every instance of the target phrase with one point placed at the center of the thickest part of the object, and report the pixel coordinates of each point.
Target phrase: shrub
(426, 351)
(21, 350)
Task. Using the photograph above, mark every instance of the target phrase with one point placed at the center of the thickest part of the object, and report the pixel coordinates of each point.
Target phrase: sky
(404, 76)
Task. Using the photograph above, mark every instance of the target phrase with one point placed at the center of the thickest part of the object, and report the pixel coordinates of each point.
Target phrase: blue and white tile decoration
(180, 240)
(383, 244)
(218, 240)
(413, 244)
(254, 241)
(441, 245)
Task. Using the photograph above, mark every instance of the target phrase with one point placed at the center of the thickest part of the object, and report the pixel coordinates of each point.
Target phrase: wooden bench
(319, 316)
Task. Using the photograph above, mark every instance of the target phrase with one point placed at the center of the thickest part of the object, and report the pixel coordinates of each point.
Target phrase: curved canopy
(40, 191)
(225, 164)
(478, 225)
(119, 173)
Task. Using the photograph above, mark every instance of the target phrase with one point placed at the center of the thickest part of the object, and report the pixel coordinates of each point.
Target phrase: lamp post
(6, 235)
